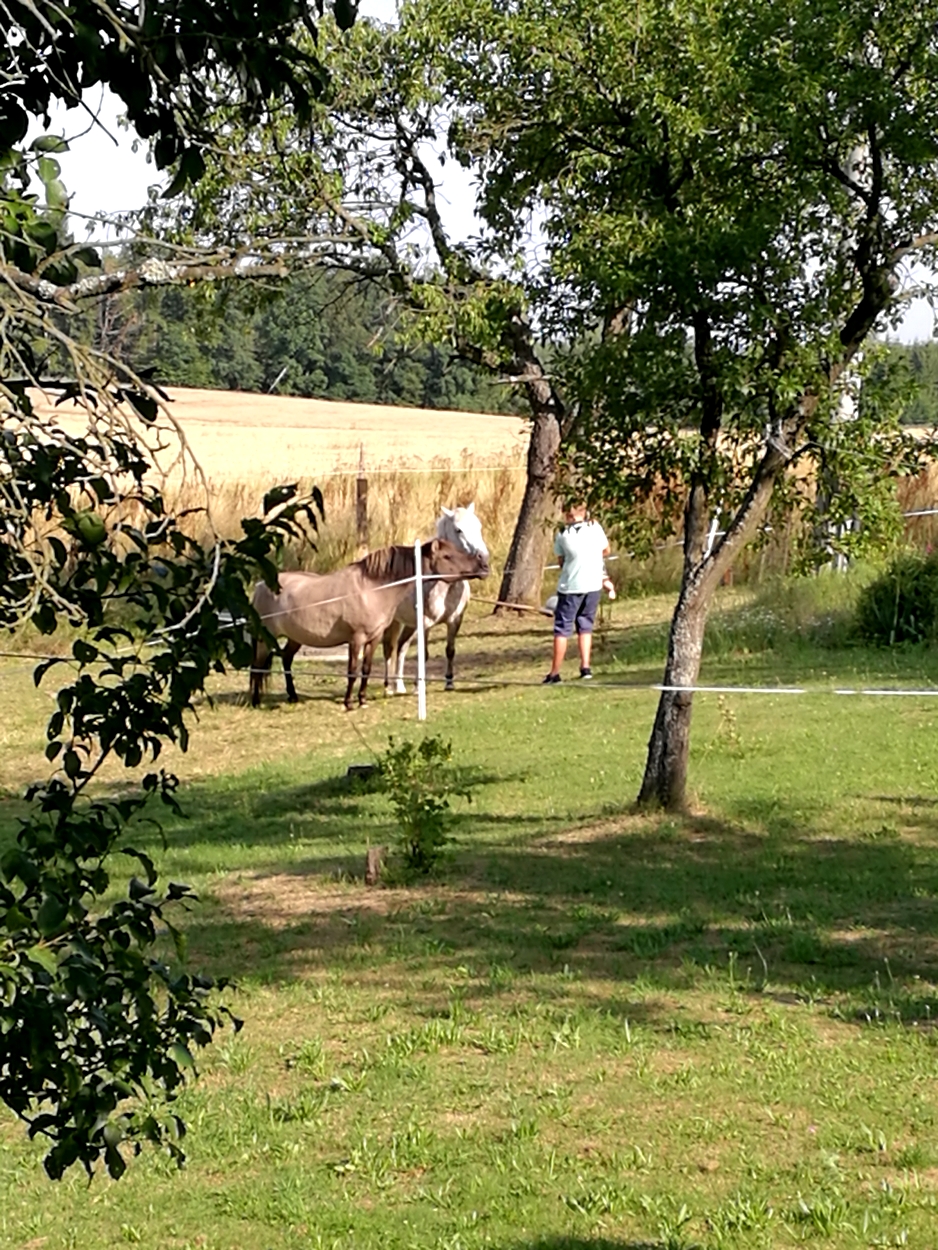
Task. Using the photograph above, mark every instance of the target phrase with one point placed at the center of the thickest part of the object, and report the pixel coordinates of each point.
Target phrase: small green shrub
(420, 780)
(902, 604)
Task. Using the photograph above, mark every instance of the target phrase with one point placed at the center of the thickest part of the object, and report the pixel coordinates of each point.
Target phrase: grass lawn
(590, 1029)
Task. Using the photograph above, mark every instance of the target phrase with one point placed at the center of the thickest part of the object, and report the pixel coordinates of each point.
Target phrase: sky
(105, 174)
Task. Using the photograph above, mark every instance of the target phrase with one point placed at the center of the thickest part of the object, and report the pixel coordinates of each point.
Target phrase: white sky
(103, 173)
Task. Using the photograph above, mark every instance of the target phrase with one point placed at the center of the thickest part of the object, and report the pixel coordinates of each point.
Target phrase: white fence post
(712, 536)
(421, 648)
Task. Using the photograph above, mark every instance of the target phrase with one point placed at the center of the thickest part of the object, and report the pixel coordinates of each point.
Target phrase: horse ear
(471, 507)
(449, 512)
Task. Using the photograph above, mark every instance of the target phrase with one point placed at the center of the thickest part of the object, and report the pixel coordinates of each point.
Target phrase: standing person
(581, 547)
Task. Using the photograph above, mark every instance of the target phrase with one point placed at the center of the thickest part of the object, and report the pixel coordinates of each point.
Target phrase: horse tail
(260, 670)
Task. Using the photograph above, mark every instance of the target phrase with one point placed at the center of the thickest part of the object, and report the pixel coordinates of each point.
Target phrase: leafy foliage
(162, 61)
(695, 221)
(902, 604)
(420, 781)
(919, 361)
(97, 1033)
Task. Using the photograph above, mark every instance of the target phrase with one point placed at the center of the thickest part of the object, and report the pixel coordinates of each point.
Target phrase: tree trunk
(665, 782)
(524, 569)
(530, 543)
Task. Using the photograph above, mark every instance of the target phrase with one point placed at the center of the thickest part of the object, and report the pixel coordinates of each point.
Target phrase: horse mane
(390, 564)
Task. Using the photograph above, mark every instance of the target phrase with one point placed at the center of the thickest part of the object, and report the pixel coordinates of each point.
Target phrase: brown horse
(354, 605)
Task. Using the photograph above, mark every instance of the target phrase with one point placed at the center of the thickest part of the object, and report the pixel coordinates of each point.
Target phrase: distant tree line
(921, 362)
(321, 335)
(316, 334)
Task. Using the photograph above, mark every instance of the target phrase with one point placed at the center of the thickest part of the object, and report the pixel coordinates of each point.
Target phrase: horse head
(463, 529)
(443, 559)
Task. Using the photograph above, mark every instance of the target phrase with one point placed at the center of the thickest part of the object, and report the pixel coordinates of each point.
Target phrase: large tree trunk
(665, 781)
(530, 543)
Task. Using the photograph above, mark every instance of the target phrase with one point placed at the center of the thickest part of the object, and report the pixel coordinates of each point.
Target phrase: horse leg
(260, 670)
(403, 643)
(368, 652)
(390, 644)
(353, 649)
(287, 654)
(452, 629)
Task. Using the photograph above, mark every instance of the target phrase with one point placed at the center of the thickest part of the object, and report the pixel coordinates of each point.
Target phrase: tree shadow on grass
(671, 902)
(332, 813)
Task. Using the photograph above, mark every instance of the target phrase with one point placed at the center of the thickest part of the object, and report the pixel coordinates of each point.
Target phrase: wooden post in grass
(361, 500)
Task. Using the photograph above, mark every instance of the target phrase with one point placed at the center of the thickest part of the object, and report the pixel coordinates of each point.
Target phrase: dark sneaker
(551, 679)
(586, 674)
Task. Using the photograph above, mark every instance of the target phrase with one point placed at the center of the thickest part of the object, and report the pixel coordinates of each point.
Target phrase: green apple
(89, 527)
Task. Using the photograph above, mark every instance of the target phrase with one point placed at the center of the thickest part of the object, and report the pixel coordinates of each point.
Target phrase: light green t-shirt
(581, 545)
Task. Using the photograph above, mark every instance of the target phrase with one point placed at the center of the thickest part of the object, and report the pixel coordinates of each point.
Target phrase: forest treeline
(921, 359)
(316, 334)
(323, 336)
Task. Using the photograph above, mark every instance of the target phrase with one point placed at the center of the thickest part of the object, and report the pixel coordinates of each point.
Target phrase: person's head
(575, 512)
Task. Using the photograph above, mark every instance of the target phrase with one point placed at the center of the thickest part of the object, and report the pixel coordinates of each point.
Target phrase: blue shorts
(575, 611)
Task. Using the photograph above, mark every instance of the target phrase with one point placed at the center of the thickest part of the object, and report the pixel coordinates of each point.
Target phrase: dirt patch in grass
(278, 899)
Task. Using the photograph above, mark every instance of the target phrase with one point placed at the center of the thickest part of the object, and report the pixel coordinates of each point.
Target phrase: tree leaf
(44, 957)
(181, 1056)
(49, 143)
(51, 915)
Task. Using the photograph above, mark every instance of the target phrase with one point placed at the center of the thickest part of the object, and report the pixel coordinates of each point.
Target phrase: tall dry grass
(919, 494)
(403, 504)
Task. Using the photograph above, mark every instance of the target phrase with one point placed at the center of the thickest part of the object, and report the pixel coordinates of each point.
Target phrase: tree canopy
(365, 200)
(726, 196)
(97, 1031)
(164, 61)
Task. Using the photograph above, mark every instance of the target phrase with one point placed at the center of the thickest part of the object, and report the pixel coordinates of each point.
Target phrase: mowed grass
(591, 1029)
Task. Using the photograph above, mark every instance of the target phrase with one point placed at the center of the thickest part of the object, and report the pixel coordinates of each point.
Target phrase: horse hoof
(450, 685)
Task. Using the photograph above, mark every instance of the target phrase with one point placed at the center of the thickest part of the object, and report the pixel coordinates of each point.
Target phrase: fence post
(361, 500)
(419, 637)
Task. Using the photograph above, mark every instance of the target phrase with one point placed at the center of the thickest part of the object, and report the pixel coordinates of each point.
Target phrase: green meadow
(589, 1028)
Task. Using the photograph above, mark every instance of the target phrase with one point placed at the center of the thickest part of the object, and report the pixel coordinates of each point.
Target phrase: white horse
(442, 601)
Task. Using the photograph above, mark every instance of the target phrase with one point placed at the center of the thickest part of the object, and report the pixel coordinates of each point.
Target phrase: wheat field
(237, 437)
(416, 461)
